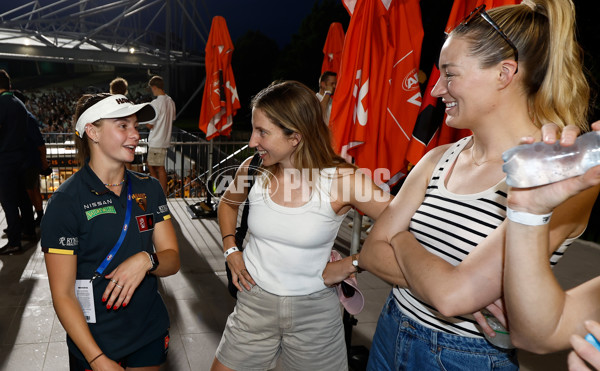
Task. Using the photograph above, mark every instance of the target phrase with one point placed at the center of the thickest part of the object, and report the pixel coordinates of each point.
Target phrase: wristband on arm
(525, 218)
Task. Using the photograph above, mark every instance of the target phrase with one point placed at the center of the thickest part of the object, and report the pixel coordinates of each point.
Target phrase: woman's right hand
(584, 351)
(543, 199)
(239, 274)
(105, 364)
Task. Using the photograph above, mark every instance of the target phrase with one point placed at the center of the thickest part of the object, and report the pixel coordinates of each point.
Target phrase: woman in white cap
(98, 235)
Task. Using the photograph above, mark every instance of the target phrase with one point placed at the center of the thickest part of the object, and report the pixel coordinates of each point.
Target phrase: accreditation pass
(85, 294)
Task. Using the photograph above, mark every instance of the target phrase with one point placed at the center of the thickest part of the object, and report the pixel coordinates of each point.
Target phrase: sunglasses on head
(480, 10)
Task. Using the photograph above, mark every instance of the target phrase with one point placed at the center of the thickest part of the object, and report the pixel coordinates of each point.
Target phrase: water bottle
(531, 165)
(502, 338)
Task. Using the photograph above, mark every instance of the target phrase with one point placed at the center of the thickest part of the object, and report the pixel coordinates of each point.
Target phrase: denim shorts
(401, 343)
(306, 331)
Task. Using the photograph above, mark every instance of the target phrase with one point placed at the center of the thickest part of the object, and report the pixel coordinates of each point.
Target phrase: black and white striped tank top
(452, 225)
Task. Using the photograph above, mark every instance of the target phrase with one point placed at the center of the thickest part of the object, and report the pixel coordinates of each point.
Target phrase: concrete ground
(32, 338)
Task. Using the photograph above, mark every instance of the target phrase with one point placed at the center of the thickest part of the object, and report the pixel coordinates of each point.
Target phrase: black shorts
(152, 354)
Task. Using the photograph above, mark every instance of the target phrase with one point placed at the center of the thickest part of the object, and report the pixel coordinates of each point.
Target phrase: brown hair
(82, 144)
(118, 86)
(157, 81)
(549, 56)
(4, 80)
(295, 108)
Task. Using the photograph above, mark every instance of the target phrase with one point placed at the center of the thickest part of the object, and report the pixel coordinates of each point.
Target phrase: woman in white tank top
(286, 306)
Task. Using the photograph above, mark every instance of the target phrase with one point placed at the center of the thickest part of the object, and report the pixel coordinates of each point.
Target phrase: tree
(253, 61)
(301, 60)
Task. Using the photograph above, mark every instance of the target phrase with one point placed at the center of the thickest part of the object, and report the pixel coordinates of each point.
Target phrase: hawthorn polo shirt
(84, 218)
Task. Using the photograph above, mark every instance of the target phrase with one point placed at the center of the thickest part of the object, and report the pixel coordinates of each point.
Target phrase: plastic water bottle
(531, 165)
(502, 338)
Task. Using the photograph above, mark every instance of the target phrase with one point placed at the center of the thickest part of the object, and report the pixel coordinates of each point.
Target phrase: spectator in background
(327, 83)
(13, 197)
(119, 86)
(35, 160)
(159, 138)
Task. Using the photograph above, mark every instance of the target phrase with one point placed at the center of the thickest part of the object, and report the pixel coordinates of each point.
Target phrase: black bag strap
(240, 232)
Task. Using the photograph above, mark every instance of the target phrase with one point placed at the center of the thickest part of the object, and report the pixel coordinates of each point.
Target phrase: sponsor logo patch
(68, 241)
(97, 204)
(99, 211)
(145, 222)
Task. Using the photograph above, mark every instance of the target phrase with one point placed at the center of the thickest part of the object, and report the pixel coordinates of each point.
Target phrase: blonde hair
(549, 56)
(295, 108)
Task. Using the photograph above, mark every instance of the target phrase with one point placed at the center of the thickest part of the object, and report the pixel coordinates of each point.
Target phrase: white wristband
(230, 251)
(527, 218)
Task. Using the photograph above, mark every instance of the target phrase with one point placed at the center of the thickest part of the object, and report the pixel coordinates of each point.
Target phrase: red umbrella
(220, 101)
(333, 48)
(377, 96)
(430, 131)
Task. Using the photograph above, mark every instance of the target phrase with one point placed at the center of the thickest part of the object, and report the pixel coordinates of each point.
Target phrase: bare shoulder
(243, 169)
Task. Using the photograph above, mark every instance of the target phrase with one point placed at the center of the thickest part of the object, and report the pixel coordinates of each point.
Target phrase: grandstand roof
(142, 33)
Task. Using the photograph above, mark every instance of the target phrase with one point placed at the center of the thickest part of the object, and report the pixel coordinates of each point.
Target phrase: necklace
(473, 158)
(116, 184)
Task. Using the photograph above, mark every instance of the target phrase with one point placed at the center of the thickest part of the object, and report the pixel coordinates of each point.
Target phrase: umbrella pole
(356, 230)
(210, 170)
(357, 355)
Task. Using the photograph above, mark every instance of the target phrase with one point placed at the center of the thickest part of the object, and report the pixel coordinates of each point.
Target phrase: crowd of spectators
(54, 107)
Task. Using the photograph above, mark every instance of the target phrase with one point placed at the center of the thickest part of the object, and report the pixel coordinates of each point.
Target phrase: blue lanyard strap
(114, 250)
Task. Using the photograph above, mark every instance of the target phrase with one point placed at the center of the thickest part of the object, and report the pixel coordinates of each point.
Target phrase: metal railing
(191, 160)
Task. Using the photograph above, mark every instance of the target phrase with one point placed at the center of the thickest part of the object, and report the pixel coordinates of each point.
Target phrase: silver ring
(118, 286)
(114, 281)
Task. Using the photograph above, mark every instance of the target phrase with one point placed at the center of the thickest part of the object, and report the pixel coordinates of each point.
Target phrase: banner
(377, 96)
(220, 100)
(332, 49)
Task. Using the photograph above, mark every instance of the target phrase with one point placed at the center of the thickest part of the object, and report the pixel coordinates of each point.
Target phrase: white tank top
(288, 247)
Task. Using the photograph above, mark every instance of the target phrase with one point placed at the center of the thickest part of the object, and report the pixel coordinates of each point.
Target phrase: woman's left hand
(125, 279)
(337, 271)
(497, 310)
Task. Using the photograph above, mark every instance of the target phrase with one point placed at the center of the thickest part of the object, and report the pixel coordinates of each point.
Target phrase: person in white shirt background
(159, 138)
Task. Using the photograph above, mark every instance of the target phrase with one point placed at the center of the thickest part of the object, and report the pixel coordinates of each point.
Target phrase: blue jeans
(401, 343)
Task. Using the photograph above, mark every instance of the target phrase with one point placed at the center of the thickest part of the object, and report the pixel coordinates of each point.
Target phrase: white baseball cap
(112, 107)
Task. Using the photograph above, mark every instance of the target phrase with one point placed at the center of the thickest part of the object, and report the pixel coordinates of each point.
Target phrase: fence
(190, 162)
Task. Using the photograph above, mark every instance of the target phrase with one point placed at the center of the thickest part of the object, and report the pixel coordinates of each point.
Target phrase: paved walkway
(31, 337)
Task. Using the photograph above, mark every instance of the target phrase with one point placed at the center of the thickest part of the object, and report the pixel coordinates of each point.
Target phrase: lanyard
(115, 248)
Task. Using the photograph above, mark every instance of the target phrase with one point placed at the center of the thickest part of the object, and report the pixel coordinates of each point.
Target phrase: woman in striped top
(504, 73)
